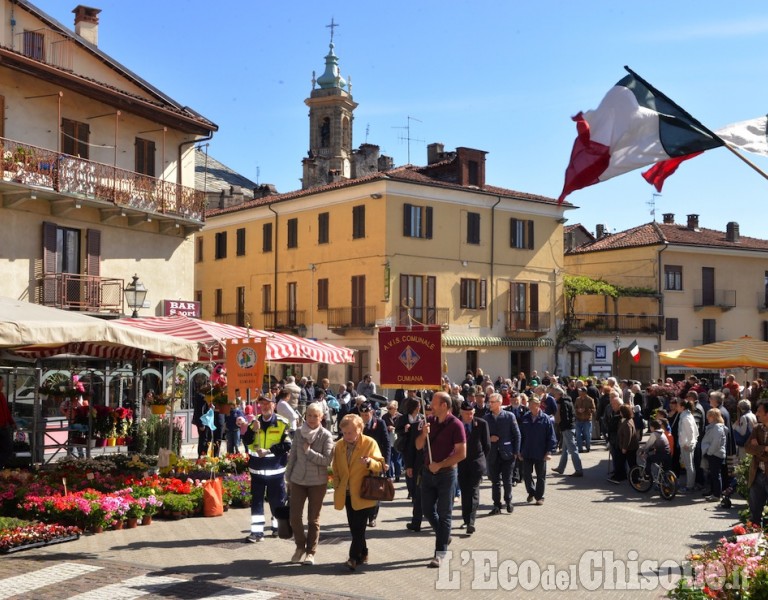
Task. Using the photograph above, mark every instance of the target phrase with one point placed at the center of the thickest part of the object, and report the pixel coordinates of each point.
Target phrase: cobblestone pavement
(571, 541)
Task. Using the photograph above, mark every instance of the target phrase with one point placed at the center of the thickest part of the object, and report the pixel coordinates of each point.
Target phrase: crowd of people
(443, 443)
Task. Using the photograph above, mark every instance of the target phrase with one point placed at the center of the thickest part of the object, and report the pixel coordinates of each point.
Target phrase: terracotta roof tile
(406, 173)
(653, 233)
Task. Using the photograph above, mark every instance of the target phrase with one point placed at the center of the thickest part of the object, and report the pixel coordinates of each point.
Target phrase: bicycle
(663, 479)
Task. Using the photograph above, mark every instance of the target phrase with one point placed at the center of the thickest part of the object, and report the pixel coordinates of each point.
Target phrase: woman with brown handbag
(355, 456)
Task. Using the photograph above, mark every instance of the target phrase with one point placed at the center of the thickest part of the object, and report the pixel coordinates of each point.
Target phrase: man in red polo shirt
(447, 447)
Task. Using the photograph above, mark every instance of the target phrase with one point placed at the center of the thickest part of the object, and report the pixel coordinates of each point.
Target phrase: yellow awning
(742, 352)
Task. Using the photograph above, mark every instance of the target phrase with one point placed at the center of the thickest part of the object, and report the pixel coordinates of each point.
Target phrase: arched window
(325, 133)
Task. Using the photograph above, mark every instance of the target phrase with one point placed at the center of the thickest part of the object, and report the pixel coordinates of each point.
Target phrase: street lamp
(135, 294)
(617, 345)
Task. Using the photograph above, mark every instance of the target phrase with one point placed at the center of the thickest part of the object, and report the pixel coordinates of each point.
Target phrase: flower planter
(146, 520)
(101, 442)
(111, 441)
(97, 529)
(67, 538)
(132, 523)
(121, 441)
(117, 525)
(158, 409)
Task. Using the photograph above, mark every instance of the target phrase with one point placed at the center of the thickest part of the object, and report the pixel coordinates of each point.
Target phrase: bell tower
(331, 106)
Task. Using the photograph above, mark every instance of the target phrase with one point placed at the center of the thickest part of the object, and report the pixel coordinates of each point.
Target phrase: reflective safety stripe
(267, 455)
(267, 472)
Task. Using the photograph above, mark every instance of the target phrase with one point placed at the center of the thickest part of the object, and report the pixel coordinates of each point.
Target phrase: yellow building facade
(710, 285)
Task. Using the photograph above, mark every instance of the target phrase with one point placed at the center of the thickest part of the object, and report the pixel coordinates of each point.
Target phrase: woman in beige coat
(355, 456)
(307, 476)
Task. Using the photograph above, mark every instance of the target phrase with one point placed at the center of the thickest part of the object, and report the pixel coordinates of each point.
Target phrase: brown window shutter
(463, 294)
(49, 263)
(407, 220)
(93, 252)
(428, 223)
(2, 116)
(512, 233)
(530, 235)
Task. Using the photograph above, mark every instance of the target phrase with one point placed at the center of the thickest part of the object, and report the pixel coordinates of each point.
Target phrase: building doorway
(520, 360)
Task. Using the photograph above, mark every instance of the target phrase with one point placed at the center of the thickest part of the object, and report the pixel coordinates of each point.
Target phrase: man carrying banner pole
(446, 447)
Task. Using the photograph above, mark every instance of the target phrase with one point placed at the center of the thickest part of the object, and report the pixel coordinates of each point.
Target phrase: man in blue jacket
(505, 446)
(536, 449)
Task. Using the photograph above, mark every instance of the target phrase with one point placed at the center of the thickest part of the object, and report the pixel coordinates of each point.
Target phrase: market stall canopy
(281, 347)
(743, 352)
(37, 331)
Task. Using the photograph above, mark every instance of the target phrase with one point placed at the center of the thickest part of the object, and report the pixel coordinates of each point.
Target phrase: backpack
(741, 438)
(671, 441)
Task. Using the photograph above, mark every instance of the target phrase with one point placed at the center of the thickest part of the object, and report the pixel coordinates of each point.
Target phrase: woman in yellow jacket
(355, 456)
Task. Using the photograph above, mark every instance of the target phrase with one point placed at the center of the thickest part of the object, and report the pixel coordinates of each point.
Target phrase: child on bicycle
(656, 447)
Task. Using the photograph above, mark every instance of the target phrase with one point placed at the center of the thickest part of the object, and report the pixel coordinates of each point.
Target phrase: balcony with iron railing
(351, 317)
(278, 320)
(722, 299)
(88, 293)
(423, 315)
(518, 321)
(88, 180)
(622, 323)
(241, 319)
(47, 46)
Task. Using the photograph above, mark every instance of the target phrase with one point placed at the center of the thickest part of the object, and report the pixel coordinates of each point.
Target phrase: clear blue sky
(502, 76)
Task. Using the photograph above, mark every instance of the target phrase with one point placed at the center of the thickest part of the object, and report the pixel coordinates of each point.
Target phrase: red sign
(410, 358)
(180, 307)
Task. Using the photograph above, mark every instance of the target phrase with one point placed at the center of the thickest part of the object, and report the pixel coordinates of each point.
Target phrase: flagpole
(746, 160)
(696, 121)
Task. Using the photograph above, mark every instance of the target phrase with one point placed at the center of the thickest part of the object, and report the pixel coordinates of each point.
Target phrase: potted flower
(221, 401)
(158, 403)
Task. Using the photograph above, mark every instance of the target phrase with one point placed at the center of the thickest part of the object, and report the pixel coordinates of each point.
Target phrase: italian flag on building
(634, 351)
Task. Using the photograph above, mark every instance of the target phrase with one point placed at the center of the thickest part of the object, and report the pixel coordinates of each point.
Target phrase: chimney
(732, 232)
(669, 218)
(599, 231)
(693, 222)
(471, 166)
(87, 23)
(435, 152)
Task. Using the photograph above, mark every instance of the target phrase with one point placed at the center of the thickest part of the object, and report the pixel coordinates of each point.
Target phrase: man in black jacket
(505, 446)
(473, 467)
(567, 425)
(376, 428)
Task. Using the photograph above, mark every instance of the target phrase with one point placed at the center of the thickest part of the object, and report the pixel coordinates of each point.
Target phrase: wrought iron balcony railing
(241, 319)
(71, 291)
(284, 319)
(423, 315)
(621, 323)
(352, 317)
(527, 321)
(724, 299)
(32, 165)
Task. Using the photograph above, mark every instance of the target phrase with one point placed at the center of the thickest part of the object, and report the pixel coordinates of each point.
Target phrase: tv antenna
(407, 136)
(367, 131)
(652, 204)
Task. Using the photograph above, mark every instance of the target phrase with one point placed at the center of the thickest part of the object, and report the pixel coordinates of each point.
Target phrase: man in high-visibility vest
(268, 444)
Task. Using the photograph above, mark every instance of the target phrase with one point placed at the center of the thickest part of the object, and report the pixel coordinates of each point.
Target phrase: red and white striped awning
(281, 347)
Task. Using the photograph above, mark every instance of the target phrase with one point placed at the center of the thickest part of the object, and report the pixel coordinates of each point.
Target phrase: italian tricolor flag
(634, 351)
(634, 126)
